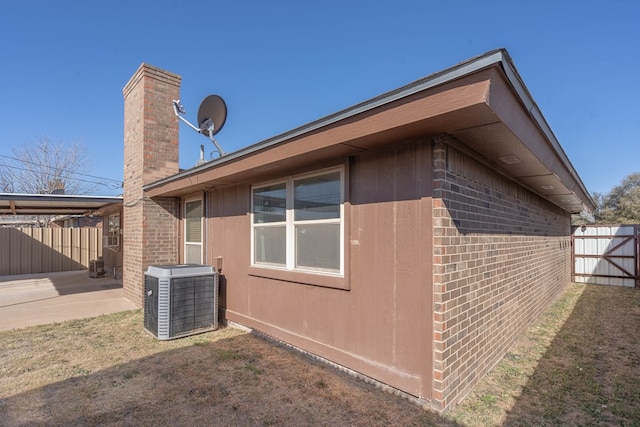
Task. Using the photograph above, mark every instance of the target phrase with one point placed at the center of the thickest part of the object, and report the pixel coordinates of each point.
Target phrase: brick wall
(501, 255)
(150, 233)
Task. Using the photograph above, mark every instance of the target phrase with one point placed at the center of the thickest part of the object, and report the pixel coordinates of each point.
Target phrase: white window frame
(186, 243)
(290, 223)
(111, 238)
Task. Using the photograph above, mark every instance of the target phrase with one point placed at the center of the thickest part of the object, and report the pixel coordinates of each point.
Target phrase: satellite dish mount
(212, 115)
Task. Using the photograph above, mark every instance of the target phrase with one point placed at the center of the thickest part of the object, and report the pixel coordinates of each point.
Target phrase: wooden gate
(606, 254)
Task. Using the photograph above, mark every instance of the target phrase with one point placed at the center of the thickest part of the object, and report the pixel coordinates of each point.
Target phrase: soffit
(499, 147)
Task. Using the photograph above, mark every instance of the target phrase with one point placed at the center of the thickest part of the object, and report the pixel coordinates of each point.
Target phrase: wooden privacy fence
(45, 250)
(606, 254)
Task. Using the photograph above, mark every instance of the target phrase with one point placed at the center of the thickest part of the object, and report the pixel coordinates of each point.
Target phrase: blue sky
(281, 64)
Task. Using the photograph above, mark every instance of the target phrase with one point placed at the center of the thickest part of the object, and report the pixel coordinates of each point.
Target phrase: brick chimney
(150, 226)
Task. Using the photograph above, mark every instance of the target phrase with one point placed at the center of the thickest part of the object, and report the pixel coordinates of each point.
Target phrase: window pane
(317, 197)
(318, 246)
(192, 254)
(270, 203)
(114, 223)
(270, 244)
(193, 221)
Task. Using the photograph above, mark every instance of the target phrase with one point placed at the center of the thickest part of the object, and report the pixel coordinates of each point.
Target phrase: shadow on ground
(241, 380)
(64, 283)
(107, 371)
(590, 373)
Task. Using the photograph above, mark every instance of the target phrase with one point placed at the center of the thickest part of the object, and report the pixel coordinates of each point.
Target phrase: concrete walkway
(37, 299)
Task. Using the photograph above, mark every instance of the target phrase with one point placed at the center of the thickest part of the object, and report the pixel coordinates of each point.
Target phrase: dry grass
(107, 371)
(579, 365)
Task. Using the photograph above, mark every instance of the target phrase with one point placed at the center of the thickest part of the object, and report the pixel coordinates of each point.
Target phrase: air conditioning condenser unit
(180, 300)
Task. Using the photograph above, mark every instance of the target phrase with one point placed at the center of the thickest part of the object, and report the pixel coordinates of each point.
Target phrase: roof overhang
(482, 104)
(53, 204)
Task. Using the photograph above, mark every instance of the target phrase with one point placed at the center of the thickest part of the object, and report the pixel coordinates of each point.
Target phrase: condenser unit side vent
(163, 307)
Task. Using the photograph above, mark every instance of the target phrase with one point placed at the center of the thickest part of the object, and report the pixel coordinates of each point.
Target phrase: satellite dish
(212, 114)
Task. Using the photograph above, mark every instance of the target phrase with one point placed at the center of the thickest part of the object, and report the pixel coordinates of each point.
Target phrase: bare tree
(43, 167)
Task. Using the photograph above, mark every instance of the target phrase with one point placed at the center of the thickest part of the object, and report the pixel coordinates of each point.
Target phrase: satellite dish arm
(177, 109)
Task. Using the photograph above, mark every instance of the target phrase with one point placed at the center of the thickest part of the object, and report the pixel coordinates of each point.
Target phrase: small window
(111, 238)
(298, 223)
(193, 232)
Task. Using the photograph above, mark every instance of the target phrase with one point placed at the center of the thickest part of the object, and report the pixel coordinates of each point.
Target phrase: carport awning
(52, 204)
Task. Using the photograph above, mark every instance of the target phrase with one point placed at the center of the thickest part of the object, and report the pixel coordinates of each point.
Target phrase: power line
(119, 182)
(115, 184)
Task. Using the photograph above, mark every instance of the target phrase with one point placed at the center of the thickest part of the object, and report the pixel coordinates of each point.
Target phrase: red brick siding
(501, 255)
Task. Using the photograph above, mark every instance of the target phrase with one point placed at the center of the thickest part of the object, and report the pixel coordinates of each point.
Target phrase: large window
(298, 223)
(193, 231)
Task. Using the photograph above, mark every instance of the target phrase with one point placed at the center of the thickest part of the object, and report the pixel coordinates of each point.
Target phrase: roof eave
(497, 58)
(525, 96)
(436, 79)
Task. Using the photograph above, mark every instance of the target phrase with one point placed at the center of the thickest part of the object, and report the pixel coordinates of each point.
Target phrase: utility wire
(120, 183)
(114, 185)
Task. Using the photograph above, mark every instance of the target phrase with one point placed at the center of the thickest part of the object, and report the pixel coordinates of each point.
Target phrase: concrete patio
(36, 299)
